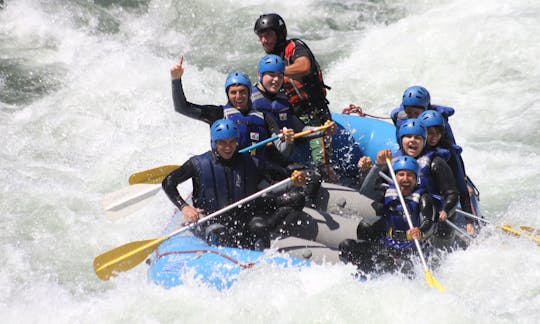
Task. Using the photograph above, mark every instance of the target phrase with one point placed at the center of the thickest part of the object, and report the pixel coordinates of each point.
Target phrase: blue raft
(220, 266)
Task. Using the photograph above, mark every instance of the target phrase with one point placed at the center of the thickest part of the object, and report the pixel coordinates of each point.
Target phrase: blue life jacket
(396, 219)
(277, 108)
(424, 173)
(461, 182)
(251, 126)
(220, 185)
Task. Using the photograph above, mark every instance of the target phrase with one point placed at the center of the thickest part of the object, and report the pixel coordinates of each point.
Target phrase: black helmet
(271, 21)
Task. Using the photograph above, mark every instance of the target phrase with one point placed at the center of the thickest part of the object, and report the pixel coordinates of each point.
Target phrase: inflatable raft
(340, 211)
(323, 230)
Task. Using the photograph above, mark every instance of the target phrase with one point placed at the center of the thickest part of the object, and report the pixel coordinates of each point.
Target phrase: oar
(462, 233)
(504, 227)
(129, 255)
(261, 143)
(432, 282)
(307, 132)
(128, 200)
(152, 176)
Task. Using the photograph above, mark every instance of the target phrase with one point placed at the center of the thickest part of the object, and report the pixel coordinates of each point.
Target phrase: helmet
(237, 78)
(271, 63)
(222, 129)
(405, 162)
(271, 21)
(431, 118)
(416, 96)
(412, 126)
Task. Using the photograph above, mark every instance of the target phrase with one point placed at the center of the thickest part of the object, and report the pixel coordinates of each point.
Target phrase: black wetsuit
(242, 226)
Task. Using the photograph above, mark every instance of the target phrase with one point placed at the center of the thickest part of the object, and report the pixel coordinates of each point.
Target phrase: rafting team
(290, 97)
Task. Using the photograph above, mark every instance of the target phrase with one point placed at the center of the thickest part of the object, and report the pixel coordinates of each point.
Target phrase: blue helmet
(412, 126)
(416, 96)
(405, 162)
(237, 78)
(222, 129)
(270, 63)
(431, 118)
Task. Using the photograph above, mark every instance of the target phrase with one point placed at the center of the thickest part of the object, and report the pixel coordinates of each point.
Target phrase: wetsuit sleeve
(206, 113)
(444, 180)
(427, 215)
(273, 129)
(456, 164)
(372, 185)
(171, 181)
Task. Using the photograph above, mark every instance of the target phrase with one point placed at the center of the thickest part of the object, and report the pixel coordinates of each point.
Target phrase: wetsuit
(217, 183)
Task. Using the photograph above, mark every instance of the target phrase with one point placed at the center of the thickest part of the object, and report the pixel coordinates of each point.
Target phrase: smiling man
(303, 85)
(220, 177)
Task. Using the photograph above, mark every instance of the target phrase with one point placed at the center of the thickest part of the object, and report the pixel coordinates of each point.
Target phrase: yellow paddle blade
(530, 229)
(152, 176)
(432, 282)
(124, 257)
(509, 229)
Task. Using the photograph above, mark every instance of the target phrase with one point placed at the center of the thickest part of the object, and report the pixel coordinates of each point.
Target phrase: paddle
(152, 176)
(307, 132)
(261, 143)
(432, 282)
(461, 233)
(505, 227)
(127, 256)
(127, 200)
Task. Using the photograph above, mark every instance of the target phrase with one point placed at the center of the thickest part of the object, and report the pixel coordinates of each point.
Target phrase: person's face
(413, 112)
(406, 180)
(272, 81)
(226, 147)
(268, 39)
(434, 136)
(238, 96)
(412, 145)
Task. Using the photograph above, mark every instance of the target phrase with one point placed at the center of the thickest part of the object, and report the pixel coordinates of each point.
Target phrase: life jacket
(277, 108)
(251, 127)
(424, 173)
(455, 153)
(309, 86)
(396, 219)
(221, 185)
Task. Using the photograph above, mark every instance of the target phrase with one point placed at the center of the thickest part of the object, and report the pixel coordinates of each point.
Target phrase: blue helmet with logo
(270, 63)
(405, 162)
(431, 118)
(237, 78)
(412, 126)
(416, 96)
(222, 129)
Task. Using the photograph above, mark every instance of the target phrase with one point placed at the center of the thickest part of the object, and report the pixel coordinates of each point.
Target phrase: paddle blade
(432, 282)
(128, 196)
(124, 257)
(152, 176)
(509, 229)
